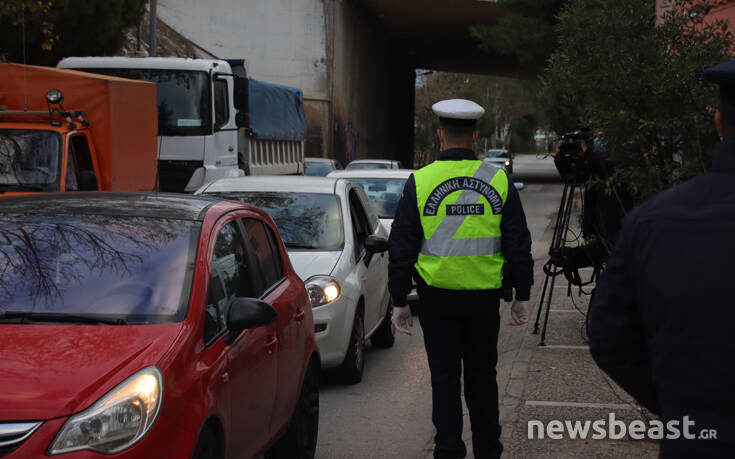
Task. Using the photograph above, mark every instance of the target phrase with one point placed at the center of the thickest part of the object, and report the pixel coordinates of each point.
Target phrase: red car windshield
(136, 270)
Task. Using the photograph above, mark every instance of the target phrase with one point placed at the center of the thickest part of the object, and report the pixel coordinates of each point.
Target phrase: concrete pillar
(153, 21)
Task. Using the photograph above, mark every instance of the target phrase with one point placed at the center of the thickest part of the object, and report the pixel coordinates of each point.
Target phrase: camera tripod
(557, 262)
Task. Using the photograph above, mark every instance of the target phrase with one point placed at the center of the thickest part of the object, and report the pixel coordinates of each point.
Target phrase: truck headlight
(116, 421)
(507, 163)
(322, 290)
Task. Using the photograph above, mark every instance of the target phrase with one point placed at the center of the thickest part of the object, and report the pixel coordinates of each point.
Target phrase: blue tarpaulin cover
(276, 112)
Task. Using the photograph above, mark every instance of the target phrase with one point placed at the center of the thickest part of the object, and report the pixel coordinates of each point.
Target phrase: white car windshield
(317, 168)
(368, 166)
(310, 221)
(383, 193)
(497, 154)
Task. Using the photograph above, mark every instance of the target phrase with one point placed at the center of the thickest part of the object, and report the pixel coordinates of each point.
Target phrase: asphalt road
(389, 413)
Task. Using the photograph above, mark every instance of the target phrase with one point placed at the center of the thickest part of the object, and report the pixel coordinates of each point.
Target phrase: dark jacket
(407, 233)
(662, 318)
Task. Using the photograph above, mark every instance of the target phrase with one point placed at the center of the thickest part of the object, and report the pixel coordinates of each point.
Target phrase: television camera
(574, 159)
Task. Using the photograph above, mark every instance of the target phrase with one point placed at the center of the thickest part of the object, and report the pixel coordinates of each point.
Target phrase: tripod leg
(558, 241)
(556, 238)
(548, 308)
(540, 306)
(552, 249)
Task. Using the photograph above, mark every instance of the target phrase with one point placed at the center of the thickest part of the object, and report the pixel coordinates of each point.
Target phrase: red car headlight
(116, 421)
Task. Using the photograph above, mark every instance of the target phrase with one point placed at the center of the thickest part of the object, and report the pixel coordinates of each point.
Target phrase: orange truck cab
(104, 139)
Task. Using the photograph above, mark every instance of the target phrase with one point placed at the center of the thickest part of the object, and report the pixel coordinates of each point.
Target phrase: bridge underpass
(423, 34)
(355, 60)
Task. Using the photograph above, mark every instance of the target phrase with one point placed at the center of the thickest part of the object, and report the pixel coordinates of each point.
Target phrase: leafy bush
(640, 84)
(55, 29)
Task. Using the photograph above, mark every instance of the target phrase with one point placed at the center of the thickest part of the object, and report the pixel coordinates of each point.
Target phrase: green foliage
(640, 84)
(511, 114)
(59, 28)
(15, 13)
(526, 31)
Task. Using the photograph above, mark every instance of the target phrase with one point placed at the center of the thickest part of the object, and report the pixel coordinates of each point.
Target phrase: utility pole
(152, 16)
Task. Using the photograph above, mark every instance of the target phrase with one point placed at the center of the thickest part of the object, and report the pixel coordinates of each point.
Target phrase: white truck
(213, 121)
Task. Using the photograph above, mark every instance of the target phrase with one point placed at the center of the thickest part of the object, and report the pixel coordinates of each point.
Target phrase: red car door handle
(300, 314)
(270, 344)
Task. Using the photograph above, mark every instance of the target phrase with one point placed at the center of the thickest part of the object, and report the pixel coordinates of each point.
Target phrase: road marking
(564, 310)
(602, 406)
(564, 346)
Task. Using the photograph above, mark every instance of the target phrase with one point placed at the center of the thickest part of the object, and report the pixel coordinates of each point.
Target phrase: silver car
(338, 247)
(374, 164)
(384, 188)
(501, 158)
(320, 167)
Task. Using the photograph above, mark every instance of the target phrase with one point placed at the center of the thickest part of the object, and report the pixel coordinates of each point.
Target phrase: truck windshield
(130, 269)
(29, 160)
(184, 100)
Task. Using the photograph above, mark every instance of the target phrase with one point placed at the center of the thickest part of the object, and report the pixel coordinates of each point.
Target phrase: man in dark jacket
(661, 319)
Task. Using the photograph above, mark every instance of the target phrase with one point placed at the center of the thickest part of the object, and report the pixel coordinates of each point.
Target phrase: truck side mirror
(241, 90)
(87, 181)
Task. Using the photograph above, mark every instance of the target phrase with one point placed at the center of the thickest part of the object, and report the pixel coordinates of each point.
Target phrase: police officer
(661, 319)
(458, 221)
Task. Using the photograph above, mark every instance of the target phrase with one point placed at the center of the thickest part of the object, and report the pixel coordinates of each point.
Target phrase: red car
(151, 325)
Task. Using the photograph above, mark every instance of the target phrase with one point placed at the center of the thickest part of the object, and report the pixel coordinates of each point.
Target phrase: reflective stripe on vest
(460, 206)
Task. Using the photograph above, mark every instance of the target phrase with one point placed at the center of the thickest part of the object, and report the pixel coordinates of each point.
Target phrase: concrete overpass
(355, 60)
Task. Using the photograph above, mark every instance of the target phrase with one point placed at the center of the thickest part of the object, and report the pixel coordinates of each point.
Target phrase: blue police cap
(723, 74)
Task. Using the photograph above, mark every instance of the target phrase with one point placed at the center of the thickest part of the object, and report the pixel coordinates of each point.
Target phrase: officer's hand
(519, 312)
(402, 319)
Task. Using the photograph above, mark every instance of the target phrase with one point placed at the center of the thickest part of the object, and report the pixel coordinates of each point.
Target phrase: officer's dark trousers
(461, 328)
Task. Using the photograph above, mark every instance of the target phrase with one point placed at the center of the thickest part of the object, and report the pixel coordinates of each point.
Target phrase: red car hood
(18, 193)
(49, 371)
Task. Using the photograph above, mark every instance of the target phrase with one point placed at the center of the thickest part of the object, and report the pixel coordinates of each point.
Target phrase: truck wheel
(354, 364)
(385, 335)
(299, 442)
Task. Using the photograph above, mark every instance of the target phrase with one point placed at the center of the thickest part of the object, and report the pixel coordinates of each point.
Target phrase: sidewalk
(559, 381)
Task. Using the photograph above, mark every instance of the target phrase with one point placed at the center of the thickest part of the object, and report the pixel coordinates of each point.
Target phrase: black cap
(723, 74)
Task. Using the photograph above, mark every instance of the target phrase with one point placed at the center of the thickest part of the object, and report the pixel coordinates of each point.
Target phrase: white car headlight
(322, 290)
(116, 421)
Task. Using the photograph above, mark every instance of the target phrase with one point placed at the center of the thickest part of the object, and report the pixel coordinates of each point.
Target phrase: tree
(640, 84)
(510, 110)
(13, 14)
(526, 31)
(55, 29)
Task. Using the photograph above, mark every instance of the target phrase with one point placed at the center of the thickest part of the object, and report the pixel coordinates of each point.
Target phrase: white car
(384, 188)
(320, 167)
(338, 247)
(374, 164)
(501, 158)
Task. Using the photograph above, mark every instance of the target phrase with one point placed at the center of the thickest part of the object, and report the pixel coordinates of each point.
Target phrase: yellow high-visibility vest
(460, 204)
